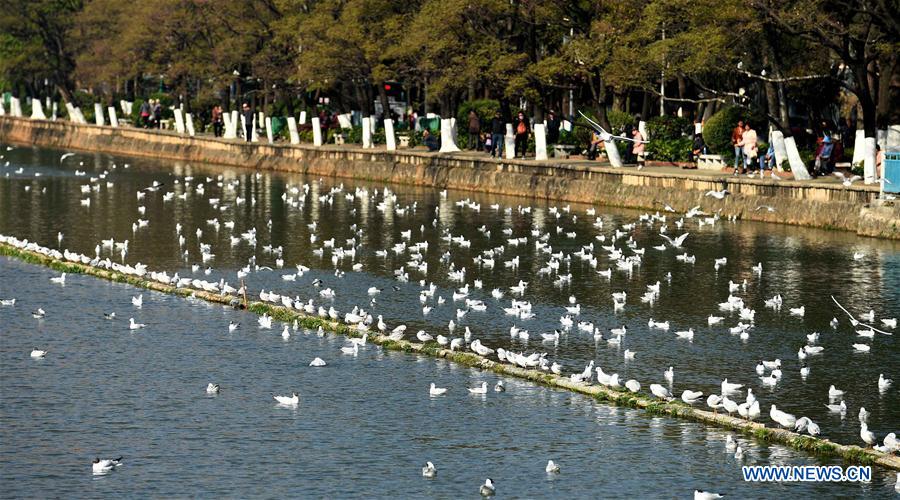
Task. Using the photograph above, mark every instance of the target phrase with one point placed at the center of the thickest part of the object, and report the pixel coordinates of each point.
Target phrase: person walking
(749, 144)
(521, 129)
(217, 122)
(736, 135)
(248, 122)
(474, 130)
(498, 132)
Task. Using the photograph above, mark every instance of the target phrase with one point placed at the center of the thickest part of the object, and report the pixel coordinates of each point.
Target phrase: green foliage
(484, 108)
(717, 131)
(618, 120)
(669, 149)
(669, 128)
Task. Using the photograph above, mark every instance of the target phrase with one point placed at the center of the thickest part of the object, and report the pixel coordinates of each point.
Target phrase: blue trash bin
(891, 183)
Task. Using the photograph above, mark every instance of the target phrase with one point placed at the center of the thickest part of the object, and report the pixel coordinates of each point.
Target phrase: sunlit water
(366, 424)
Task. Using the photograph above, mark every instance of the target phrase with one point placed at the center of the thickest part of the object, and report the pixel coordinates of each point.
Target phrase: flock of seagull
(615, 245)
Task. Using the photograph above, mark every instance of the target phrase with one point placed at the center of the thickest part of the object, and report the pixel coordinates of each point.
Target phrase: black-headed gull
(106, 465)
(292, 400)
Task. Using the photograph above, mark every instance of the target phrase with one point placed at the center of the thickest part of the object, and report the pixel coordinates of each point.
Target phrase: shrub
(669, 127)
(618, 120)
(717, 131)
(484, 108)
(677, 149)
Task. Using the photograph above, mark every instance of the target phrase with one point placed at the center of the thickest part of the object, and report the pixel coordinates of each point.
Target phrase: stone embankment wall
(809, 204)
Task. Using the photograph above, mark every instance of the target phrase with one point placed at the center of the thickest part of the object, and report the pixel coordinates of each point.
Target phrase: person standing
(248, 122)
(474, 130)
(521, 129)
(749, 143)
(736, 135)
(217, 120)
(637, 148)
(552, 128)
(498, 132)
(145, 113)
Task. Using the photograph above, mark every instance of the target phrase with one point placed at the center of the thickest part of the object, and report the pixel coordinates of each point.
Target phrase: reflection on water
(805, 266)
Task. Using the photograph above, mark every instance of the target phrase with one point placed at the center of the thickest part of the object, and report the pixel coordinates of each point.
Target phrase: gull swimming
(212, 388)
(429, 470)
(317, 362)
(436, 391)
(551, 468)
(292, 400)
(38, 353)
(106, 465)
(479, 390)
(135, 326)
(487, 489)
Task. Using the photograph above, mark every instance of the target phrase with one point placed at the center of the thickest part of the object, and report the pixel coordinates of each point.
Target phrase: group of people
(151, 114)
(493, 141)
(746, 150)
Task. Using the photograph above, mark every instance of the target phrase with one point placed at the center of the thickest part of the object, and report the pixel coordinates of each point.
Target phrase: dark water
(188, 345)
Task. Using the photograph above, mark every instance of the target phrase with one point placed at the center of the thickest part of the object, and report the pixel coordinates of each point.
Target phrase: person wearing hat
(823, 159)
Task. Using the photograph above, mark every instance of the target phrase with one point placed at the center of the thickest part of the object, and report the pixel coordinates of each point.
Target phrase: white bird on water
(134, 326)
(436, 391)
(292, 400)
(487, 489)
(551, 468)
(38, 353)
(482, 389)
(212, 388)
(429, 470)
(317, 362)
(705, 495)
(105, 465)
(137, 301)
(61, 279)
(883, 383)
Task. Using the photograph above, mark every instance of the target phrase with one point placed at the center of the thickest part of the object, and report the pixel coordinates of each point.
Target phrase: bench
(710, 162)
(404, 140)
(563, 150)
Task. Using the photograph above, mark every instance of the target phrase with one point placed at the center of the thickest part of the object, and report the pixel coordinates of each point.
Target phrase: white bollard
(269, 135)
(870, 176)
(447, 143)
(780, 150)
(797, 167)
(317, 131)
(859, 148)
(113, 119)
(642, 128)
(228, 133)
(15, 107)
(189, 123)
(302, 118)
(540, 142)
(509, 142)
(254, 134)
(367, 132)
(292, 130)
(2, 109)
(389, 138)
(37, 112)
(54, 113)
(98, 114)
(612, 153)
(179, 121)
(235, 123)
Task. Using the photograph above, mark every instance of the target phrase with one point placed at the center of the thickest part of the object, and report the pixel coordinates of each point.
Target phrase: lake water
(366, 424)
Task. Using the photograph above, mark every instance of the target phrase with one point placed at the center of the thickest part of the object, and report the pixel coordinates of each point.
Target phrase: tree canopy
(635, 56)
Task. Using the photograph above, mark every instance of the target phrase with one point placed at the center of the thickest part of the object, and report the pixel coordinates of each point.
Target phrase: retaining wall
(813, 204)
